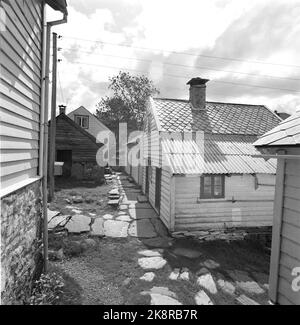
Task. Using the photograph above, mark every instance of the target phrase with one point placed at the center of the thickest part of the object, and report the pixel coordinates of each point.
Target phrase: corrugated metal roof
(286, 133)
(217, 154)
(220, 118)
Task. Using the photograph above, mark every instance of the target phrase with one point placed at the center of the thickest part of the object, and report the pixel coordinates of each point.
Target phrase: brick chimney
(62, 109)
(198, 92)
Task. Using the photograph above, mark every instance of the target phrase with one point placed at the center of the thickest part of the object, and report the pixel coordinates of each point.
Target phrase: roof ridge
(209, 101)
(79, 128)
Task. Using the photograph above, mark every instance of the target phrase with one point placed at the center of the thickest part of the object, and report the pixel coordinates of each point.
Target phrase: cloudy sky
(234, 43)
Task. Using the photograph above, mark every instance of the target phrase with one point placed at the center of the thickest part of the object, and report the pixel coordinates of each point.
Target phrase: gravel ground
(95, 289)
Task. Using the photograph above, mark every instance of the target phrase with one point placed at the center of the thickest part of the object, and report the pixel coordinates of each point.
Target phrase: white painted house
(199, 172)
(87, 121)
(283, 142)
(22, 124)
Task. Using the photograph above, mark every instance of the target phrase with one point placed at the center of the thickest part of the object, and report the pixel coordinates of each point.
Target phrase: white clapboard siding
(250, 207)
(12, 57)
(7, 142)
(10, 155)
(290, 235)
(13, 179)
(19, 24)
(20, 88)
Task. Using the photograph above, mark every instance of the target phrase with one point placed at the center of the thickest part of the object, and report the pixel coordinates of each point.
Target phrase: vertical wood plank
(276, 232)
(172, 203)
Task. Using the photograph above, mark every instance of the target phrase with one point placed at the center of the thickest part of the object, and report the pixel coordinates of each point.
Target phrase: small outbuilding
(77, 149)
(283, 143)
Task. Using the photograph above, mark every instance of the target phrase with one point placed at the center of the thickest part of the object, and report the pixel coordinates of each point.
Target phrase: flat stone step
(244, 300)
(114, 191)
(113, 202)
(114, 197)
(142, 199)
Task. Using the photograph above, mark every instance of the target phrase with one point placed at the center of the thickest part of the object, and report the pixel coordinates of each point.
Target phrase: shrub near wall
(21, 243)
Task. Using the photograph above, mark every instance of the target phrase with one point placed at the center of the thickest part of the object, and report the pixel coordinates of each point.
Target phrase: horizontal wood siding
(290, 235)
(20, 87)
(243, 206)
(68, 137)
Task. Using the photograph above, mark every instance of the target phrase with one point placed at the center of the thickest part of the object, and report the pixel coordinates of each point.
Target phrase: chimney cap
(197, 81)
(62, 109)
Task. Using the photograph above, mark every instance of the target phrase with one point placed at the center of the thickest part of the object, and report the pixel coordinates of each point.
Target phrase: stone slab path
(132, 218)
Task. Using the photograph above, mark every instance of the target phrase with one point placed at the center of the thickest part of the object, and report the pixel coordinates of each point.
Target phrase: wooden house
(198, 169)
(283, 143)
(88, 121)
(22, 90)
(77, 149)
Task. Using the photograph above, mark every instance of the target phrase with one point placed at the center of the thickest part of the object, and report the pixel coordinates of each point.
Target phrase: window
(212, 187)
(82, 120)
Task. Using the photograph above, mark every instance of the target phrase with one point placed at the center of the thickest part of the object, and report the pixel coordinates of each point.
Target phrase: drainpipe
(45, 135)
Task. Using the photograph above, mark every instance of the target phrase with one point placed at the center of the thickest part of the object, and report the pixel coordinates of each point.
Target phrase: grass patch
(71, 291)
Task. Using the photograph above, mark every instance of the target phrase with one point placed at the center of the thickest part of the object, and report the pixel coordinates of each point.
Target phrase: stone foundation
(261, 234)
(21, 243)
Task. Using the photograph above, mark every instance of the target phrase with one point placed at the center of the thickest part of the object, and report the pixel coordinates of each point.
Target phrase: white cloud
(227, 28)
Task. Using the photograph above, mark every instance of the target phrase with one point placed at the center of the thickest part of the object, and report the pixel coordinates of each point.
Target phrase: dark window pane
(218, 185)
(207, 185)
(85, 122)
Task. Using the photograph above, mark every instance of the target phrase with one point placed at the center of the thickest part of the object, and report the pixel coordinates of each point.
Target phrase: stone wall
(260, 234)
(21, 243)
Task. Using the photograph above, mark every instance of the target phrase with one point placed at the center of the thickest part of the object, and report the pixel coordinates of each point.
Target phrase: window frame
(212, 195)
(81, 119)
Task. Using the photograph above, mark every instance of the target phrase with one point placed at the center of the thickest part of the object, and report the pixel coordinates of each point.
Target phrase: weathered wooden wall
(20, 88)
(251, 207)
(289, 258)
(69, 137)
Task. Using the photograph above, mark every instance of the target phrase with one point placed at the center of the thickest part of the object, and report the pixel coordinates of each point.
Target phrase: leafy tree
(128, 103)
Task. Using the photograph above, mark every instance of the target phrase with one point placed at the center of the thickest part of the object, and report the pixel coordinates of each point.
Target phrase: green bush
(47, 290)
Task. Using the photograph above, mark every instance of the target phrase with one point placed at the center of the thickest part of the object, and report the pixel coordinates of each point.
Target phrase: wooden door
(66, 157)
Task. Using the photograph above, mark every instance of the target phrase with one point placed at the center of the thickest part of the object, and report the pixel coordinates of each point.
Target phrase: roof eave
(59, 5)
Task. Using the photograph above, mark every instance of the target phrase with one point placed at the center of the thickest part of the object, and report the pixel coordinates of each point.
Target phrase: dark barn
(77, 149)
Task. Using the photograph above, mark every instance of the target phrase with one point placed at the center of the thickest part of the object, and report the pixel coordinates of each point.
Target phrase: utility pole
(53, 121)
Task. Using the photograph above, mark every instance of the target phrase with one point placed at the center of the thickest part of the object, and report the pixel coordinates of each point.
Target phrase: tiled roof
(221, 118)
(217, 154)
(286, 133)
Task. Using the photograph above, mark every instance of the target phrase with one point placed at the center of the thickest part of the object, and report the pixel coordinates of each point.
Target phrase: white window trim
(19, 185)
(82, 117)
